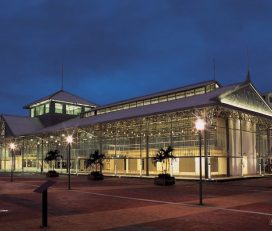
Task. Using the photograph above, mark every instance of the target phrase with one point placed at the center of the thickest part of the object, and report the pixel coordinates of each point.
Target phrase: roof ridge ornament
(248, 78)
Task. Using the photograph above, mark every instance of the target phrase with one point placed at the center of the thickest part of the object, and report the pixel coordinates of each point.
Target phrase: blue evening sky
(117, 49)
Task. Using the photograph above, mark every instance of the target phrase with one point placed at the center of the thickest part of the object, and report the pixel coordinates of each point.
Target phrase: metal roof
(22, 125)
(163, 107)
(30, 126)
(62, 96)
(162, 93)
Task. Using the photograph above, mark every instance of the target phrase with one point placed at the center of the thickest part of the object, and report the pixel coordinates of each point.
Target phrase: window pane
(40, 110)
(126, 106)
(58, 107)
(47, 108)
(113, 108)
(120, 107)
(171, 97)
(147, 102)
(189, 93)
(200, 90)
(154, 100)
(180, 95)
(32, 112)
(162, 98)
(140, 103)
(132, 105)
(208, 88)
(212, 87)
(87, 108)
(73, 110)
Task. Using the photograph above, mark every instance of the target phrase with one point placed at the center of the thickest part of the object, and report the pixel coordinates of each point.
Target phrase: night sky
(118, 49)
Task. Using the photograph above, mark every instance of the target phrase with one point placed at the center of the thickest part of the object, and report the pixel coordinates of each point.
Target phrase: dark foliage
(95, 160)
(52, 173)
(53, 155)
(163, 156)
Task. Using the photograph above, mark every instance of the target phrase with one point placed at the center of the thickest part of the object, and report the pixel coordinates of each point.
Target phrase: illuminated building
(236, 139)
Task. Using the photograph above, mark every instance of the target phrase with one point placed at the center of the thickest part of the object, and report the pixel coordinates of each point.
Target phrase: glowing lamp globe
(200, 124)
(12, 146)
(69, 139)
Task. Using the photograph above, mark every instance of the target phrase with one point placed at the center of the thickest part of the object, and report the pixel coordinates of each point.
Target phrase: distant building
(237, 138)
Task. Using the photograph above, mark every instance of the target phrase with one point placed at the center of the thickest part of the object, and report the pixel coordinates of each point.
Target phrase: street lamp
(12, 147)
(69, 140)
(200, 126)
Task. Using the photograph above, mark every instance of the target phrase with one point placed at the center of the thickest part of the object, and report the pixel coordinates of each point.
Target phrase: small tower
(58, 107)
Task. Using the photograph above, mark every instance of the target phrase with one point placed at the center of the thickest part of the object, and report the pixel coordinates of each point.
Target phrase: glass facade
(235, 142)
(129, 145)
(40, 110)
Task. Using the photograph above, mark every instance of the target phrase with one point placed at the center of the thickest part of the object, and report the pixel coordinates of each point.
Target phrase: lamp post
(12, 148)
(200, 126)
(69, 140)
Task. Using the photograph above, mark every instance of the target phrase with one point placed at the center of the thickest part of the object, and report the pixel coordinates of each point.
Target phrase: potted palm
(51, 157)
(95, 161)
(163, 156)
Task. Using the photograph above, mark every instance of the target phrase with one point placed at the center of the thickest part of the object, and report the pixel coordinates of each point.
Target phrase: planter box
(96, 176)
(52, 173)
(164, 180)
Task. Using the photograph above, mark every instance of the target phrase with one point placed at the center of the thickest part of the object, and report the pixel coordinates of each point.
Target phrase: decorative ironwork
(246, 98)
(3, 128)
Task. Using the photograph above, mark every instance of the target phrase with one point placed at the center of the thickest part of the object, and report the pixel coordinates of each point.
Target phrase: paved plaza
(120, 204)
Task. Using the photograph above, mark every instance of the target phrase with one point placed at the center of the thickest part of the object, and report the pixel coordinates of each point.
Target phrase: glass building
(236, 140)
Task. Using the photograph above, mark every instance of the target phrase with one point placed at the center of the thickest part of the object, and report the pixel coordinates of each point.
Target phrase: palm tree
(164, 156)
(53, 155)
(159, 157)
(95, 159)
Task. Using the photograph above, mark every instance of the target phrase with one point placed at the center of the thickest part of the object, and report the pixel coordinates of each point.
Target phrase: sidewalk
(120, 204)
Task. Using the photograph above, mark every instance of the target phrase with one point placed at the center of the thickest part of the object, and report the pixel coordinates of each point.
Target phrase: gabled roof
(63, 96)
(21, 125)
(245, 96)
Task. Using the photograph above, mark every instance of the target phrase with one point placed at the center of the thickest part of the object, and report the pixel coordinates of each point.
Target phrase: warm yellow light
(200, 124)
(12, 146)
(69, 139)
